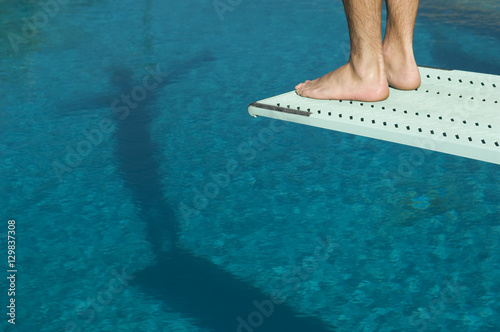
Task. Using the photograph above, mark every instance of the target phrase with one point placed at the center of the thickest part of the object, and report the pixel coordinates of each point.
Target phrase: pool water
(147, 199)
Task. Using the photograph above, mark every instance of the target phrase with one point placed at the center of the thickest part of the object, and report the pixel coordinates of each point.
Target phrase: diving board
(454, 112)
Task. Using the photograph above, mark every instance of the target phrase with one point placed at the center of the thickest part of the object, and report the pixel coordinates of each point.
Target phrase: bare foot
(401, 70)
(347, 84)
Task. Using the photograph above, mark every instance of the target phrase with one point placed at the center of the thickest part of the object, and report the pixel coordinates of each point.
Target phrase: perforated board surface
(454, 112)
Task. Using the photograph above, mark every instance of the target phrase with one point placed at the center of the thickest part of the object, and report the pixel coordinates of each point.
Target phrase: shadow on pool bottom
(193, 286)
(217, 300)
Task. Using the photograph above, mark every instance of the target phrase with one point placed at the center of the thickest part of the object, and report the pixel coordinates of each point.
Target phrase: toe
(304, 93)
(301, 85)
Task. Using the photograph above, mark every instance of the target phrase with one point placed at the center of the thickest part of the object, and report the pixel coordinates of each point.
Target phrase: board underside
(454, 112)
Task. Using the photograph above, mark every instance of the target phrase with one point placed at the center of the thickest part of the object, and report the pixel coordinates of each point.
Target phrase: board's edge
(276, 108)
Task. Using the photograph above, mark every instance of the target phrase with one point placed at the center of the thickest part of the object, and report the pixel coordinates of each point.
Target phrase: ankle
(368, 68)
(398, 53)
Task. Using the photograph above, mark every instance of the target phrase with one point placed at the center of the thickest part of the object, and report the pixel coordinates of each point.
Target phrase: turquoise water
(174, 210)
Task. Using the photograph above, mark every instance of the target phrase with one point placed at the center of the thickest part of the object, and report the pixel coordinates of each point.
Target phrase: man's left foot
(345, 83)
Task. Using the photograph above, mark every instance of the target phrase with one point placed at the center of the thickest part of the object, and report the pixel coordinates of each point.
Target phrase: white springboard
(454, 112)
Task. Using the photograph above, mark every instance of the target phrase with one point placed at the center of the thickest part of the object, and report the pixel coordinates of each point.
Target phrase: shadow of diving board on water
(218, 300)
(454, 112)
(193, 286)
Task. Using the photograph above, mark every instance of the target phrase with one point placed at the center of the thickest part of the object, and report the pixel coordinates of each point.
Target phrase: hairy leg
(363, 77)
(400, 66)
